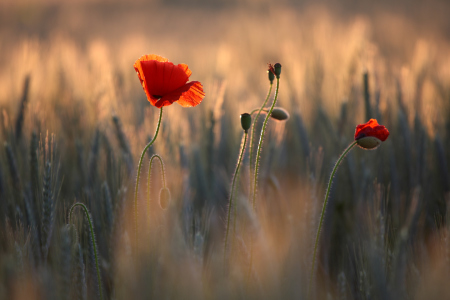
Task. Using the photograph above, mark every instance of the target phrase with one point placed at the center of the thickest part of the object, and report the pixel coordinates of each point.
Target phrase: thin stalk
(139, 174)
(264, 110)
(230, 204)
(91, 228)
(261, 138)
(323, 212)
(255, 110)
(149, 177)
(258, 154)
(254, 129)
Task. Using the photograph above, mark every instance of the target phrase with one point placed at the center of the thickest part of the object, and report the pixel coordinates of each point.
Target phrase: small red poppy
(165, 83)
(371, 134)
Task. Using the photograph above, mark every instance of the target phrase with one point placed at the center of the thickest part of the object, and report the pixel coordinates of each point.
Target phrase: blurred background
(69, 95)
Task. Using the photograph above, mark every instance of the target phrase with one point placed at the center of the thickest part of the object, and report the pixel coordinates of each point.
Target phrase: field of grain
(74, 121)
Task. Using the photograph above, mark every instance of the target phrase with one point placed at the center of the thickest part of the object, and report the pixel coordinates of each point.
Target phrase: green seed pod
(246, 121)
(368, 142)
(280, 114)
(277, 68)
(164, 198)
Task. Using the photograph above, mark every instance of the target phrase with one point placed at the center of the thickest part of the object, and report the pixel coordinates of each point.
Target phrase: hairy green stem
(163, 175)
(254, 129)
(261, 138)
(323, 212)
(258, 154)
(231, 204)
(138, 175)
(259, 110)
(91, 228)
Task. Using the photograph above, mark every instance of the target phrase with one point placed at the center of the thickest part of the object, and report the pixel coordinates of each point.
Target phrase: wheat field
(74, 120)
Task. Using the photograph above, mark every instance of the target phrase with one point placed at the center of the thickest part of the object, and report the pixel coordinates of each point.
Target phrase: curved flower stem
(230, 203)
(138, 175)
(163, 175)
(323, 212)
(258, 154)
(94, 244)
(253, 111)
(254, 129)
(265, 110)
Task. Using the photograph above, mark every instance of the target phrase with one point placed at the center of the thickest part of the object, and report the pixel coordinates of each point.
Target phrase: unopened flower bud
(280, 114)
(271, 75)
(277, 68)
(164, 198)
(246, 121)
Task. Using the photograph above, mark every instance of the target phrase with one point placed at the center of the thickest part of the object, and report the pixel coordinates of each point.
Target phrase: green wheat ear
(93, 241)
(34, 167)
(23, 104)
(124, 144)
(47, 211)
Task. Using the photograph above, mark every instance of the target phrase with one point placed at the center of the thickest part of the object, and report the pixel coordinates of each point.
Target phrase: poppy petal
(162, 78)
(150, 98)
(193, 96)
(137, 64)
(371, 128)
(153, 57)
(164, 101)
(185, 68)
(189, 95)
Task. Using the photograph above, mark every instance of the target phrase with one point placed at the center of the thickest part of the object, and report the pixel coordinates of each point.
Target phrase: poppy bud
(277, 68)
(246, 121)
(271, 76)
(280, 114)
(164, 198)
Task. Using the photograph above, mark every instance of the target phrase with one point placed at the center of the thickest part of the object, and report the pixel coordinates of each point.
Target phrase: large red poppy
(165, 83)
(371, 134)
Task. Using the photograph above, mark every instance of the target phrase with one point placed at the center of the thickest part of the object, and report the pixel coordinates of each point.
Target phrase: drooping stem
(230, 203)
(94, 244)
(323, 212)
(254, 131)
(163, 176)
(258, 154)
(265, 110)
(138, 175)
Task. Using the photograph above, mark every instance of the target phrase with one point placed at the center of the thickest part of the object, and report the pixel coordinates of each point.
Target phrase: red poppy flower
(371, 134)
(164, 83)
